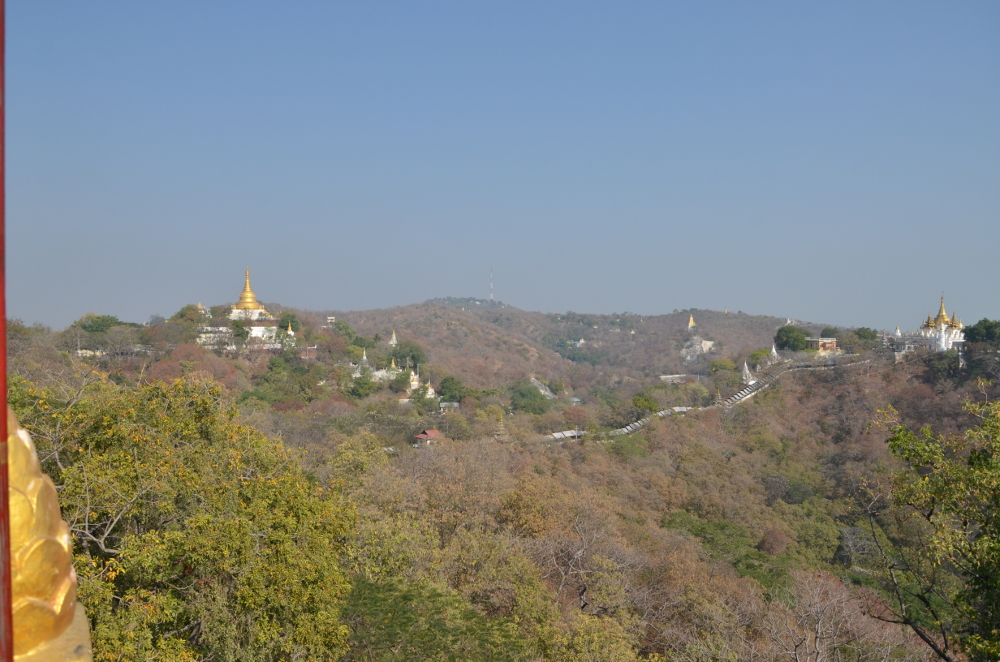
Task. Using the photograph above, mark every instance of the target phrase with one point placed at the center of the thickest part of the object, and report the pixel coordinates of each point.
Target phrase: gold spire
(248, 300)
(691, 323)
(289, 326)
(942, 316)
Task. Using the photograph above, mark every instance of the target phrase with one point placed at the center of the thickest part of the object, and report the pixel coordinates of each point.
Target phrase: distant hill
(489, 343)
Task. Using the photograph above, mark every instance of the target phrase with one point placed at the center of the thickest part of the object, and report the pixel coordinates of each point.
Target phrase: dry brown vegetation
(720, 534)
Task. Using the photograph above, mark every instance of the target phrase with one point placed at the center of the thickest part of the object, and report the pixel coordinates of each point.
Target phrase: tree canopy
(92, 323)
(408, 354)
(791, 337)
(985, 330)
(945, 582)
(864, 333)
(197, 536)
(291, 318)
(526, 397)
(451, 389)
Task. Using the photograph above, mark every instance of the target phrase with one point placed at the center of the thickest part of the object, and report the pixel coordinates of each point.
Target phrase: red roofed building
(429, 436)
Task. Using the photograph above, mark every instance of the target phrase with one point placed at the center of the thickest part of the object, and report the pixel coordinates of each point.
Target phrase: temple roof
(942, 319)
(248, 300)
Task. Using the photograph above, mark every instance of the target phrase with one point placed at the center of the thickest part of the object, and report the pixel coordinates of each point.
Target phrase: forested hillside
(270, 506)
(466, 332)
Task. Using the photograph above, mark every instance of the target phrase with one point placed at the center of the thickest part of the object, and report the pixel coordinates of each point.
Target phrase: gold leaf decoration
(47, 624)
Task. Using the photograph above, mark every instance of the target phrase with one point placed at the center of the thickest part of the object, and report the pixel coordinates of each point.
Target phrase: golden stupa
(942, 319)
(48, 623)
(248, 300)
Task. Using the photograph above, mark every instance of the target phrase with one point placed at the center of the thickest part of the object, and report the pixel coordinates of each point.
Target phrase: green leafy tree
(830, 332)
(943, 366)
(287, 318)
(630, 446)
(364, 342)
(724, 374)
(196, 536)
(400, 383)
(721, 365)
(363, 386)
(864, 333)
(396, 620)
(354, 353)
(408, 354)
(99, 323)
(945, 581)
(984, 331)
(188, 313)
(241, 331)
(645, 402)
(344, 330)
(791, 337)
(451, 389)
(526, 397)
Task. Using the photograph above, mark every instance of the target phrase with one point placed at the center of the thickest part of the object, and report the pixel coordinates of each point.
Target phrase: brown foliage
(774, 542)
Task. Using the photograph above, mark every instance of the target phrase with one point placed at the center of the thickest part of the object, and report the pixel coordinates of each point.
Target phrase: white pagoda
(940, 334)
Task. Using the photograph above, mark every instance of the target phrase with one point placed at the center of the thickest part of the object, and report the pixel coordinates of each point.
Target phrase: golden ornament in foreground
(48, 625)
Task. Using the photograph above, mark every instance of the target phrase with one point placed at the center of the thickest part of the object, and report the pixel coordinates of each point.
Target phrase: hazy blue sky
(837, 162)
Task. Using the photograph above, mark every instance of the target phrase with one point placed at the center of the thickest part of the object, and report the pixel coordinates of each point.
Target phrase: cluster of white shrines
(264, 332)
(389, 373)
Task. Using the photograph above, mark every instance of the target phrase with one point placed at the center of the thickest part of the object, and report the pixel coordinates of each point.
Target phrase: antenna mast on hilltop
(491, 283)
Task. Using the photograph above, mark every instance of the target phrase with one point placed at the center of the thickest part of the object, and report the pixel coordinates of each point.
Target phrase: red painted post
(6, 617)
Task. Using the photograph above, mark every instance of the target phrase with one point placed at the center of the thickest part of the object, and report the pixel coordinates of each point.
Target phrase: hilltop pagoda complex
(251, 312)
(261, 326)
(939, 334)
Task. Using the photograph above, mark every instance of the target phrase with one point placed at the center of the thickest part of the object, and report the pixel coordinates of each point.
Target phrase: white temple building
(938, 334)
(260, 324)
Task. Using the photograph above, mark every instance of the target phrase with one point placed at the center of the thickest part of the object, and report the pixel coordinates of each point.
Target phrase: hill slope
(491, 344)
